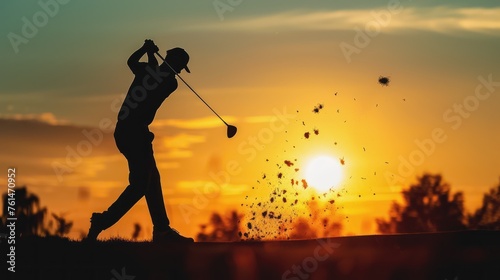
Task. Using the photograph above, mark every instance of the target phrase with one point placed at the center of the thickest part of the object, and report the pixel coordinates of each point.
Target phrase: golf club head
(231, 131)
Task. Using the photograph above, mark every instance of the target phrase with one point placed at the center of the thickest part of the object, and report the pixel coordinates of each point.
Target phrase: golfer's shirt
(151, 86)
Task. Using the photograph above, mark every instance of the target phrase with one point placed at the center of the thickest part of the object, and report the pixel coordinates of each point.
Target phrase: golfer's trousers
(144, 178)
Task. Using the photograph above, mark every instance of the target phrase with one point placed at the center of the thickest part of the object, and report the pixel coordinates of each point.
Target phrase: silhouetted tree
(428, 207)
(306, 229)
(62, 226)
(221, 228)
(30, 215)
(488, 216)
(317, 225)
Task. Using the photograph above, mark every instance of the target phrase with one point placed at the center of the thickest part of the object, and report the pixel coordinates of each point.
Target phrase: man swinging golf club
(152, 84)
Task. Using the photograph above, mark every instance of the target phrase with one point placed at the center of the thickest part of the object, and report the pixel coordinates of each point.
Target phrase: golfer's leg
(154, 198)
(139, 177)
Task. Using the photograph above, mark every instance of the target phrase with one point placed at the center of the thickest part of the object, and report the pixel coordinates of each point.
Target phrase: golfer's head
(178, 58)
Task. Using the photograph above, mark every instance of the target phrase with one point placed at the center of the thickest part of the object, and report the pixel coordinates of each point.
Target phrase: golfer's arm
(152, 59)
(133, 60)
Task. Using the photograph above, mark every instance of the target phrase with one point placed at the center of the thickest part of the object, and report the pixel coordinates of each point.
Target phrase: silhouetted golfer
(152, 84)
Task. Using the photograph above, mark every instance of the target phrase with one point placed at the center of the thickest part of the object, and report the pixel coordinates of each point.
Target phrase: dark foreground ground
(454, 255)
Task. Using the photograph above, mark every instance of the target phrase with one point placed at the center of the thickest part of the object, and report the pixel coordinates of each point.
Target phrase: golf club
(231, 129)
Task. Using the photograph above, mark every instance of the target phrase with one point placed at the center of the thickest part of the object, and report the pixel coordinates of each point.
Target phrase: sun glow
(323, 173)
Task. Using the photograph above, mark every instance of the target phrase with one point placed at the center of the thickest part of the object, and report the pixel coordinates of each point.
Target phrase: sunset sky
(264, 66)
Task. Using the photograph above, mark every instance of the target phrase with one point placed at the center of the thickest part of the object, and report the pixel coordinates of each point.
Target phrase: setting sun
(323, 173)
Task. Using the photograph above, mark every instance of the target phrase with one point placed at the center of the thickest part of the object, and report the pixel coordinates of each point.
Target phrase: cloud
(200, 123)
(438, 19)
(177, 146)
(168, 165)
(47, 118)
(207, 122)
(182, 141)
(174, 154)
(481, 19)
(49, 155)
(210, 188)
(29, 138)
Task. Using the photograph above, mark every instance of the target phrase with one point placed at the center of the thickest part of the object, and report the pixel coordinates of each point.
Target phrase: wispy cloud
(47, 118)
(209, 122)
(200, 123)
(178, 146)
(182, 141)
(438, 19)
(168, 165)
(174, 154)
(225, 190)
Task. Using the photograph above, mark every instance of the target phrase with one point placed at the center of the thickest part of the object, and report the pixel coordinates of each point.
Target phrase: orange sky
(263, 70)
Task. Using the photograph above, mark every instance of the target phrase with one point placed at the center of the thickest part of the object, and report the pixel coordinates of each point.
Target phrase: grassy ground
(453, 255)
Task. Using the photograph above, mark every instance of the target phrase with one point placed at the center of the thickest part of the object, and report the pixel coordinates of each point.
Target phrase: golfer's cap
(181, 54)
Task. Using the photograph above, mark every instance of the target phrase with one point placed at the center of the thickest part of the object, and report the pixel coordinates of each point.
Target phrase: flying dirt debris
(384, 81)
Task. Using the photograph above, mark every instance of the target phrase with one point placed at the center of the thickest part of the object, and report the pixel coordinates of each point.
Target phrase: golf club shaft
(177, 74)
